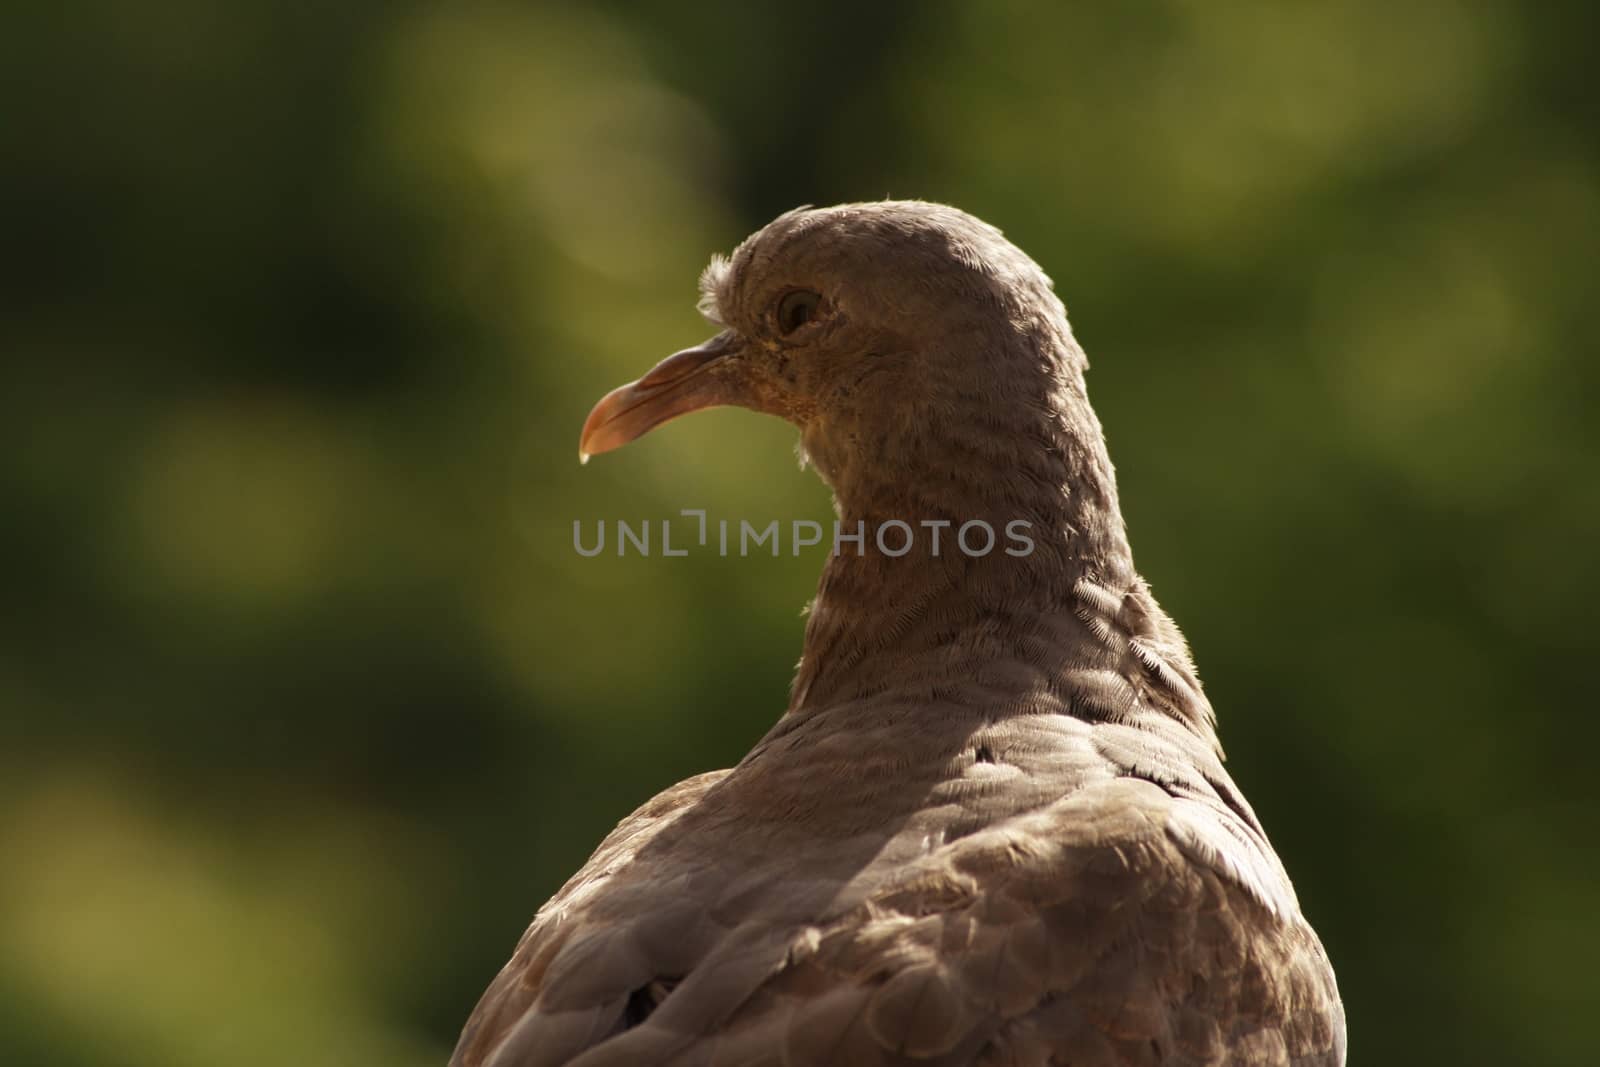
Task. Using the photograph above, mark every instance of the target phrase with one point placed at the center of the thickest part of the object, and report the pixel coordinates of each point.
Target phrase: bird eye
(798, 307)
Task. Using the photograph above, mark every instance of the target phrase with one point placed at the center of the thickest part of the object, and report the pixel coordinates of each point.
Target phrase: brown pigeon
(993, 824)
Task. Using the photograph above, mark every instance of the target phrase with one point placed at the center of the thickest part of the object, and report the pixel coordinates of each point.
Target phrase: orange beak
(691, 380)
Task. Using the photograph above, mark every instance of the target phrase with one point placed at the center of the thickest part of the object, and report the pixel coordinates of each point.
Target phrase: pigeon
(992, 825)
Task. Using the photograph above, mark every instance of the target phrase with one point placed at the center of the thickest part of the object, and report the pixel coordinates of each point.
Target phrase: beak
(691, 380)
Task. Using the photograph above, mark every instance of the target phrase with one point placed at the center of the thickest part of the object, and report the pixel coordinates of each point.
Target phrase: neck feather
(1061, 623)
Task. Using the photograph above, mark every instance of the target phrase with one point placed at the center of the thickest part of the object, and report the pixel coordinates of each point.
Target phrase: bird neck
(969, 570)
(1051, 618)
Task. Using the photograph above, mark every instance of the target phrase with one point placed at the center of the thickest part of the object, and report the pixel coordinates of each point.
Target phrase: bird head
(887, 332)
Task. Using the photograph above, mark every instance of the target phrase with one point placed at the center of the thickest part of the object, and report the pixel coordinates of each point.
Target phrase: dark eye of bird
(797, 308)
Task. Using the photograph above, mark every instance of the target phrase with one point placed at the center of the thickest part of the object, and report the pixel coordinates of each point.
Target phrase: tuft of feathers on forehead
(720, 278)
(713, 283)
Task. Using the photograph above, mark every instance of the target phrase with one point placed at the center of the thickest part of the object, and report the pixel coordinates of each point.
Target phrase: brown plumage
(993, 825)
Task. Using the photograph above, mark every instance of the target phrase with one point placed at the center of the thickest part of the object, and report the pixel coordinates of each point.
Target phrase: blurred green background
(306, 701)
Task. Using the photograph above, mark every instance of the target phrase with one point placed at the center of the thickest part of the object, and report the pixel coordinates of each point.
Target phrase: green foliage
(306, 701)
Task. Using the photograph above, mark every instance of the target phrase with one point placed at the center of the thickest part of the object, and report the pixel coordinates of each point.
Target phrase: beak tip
(583, 458)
